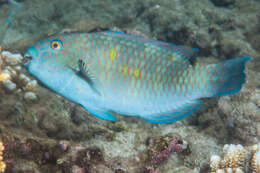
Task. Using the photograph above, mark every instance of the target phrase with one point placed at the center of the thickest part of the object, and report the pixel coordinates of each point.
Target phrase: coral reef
(12, 77)
(160, 148)
(55, 135)
(255, 158)
(233, 159)
(3, 76)
(152, 170)
(241, 113)
(81, 159)
(237, 159)
(256, 162)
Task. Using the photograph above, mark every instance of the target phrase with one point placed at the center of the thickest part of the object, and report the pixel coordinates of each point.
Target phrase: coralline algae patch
(13, 79)
(160, 149)
(237, 159)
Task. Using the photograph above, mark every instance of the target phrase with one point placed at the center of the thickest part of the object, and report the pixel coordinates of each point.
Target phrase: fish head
(53, 60)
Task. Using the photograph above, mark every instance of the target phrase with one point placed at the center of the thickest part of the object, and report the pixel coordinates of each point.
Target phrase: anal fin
(100, 113)
(174, 115)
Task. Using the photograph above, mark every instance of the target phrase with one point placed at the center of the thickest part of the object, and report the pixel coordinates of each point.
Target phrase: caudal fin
(226, 77)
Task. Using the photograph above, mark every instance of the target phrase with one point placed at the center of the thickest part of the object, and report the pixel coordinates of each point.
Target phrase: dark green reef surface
(48, 134)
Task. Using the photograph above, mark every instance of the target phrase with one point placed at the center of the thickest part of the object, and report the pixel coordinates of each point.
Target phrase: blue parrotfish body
(108, 72)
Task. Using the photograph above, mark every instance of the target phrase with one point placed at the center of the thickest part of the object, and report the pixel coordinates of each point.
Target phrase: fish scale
(131, 75)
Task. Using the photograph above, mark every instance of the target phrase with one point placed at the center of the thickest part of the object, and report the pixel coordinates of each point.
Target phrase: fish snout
(32, 52)
(27, 56)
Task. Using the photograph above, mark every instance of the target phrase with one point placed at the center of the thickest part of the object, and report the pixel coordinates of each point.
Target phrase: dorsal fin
(185, 52)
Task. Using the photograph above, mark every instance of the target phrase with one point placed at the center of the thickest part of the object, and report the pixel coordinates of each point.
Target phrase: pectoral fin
(84, 72)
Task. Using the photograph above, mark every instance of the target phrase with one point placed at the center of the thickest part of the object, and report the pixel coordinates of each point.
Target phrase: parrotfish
(112, 72)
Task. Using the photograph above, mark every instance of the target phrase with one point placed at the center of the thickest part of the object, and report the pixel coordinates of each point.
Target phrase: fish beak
(28, 58)
(28, 55)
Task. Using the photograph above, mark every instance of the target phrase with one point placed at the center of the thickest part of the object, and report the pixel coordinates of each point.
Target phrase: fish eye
(56, 44)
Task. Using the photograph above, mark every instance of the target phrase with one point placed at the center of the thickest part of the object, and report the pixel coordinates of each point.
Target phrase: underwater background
(42, 132)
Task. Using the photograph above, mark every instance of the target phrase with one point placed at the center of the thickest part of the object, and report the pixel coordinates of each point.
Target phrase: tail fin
(225, 77)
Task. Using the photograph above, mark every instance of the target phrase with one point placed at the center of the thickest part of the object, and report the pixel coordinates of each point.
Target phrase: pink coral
(174, 145)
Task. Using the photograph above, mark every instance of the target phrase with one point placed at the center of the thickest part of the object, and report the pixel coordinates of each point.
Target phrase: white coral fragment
(18, 68)
(30, 86)
(10, 71)
(9, 85)
(24, 79)
(13, 79)
(30, 96)
(12, 59)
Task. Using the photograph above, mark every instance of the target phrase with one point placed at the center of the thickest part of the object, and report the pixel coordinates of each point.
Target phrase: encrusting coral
(237, 159)
(160, 149)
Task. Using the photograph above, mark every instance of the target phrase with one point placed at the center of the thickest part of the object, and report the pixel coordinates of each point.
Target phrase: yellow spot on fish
(112, 54)
(136, 72)
(125, 69)
(169, 57)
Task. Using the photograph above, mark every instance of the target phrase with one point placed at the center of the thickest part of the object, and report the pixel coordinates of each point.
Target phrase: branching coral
(3, 76)
(237, 159)
(12, 77)
(255, 161)
(234, 157)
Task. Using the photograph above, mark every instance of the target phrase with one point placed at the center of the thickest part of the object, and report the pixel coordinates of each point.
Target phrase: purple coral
(162, 150)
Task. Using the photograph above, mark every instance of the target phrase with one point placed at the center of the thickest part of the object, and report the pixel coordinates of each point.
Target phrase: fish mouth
(31, 53)
(28, 57)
